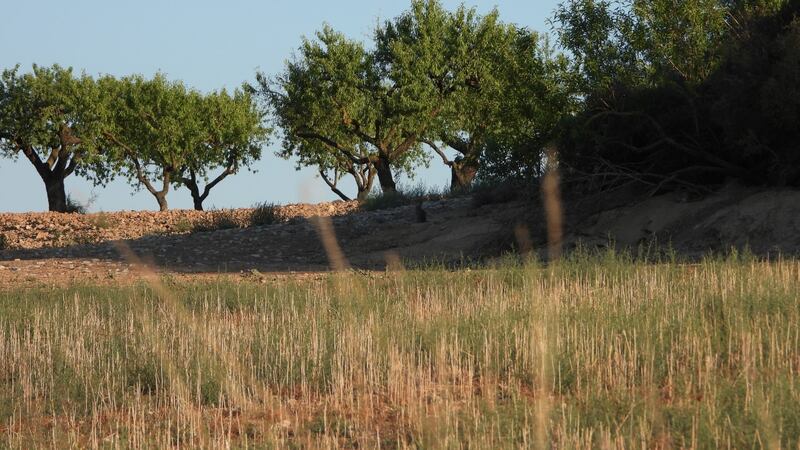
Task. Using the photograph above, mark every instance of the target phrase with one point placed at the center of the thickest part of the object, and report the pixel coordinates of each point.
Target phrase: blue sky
(209, 45)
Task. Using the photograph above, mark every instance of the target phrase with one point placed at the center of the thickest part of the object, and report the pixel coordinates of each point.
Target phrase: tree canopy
(163, 132)
(53, 119)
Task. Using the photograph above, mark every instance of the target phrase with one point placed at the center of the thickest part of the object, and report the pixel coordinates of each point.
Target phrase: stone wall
(39, 230)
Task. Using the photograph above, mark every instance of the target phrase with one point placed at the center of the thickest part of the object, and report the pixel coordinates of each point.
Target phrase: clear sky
(208, 45)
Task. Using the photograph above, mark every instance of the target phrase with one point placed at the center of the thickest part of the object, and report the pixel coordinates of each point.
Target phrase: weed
(182, 225)
(76, 207)
(102, 221)
(403, 197)
(222, 219)
(266, 214)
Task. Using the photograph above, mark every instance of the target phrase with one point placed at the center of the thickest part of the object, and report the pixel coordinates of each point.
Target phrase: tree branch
(332, 185)
(331, 143)
(231, 169)
(696, 152)
(436, 148)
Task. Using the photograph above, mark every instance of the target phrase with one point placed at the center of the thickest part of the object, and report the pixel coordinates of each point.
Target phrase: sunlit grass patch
(592, 351)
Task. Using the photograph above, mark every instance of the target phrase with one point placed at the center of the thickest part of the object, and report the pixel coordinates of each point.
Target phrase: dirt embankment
(765, 221)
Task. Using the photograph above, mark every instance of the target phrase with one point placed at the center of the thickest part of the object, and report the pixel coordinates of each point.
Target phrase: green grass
(588, 353)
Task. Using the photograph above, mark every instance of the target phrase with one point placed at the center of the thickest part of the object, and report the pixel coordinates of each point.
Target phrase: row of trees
(155, 133)
(431, 80)
(661, 93)
(656, 92)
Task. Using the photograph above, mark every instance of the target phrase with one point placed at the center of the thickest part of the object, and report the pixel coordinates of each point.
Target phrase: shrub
(224, 219)
(102, 220)
(487, 193)
(266, 214)
(403, 197)
(183, 225)
(3, 242)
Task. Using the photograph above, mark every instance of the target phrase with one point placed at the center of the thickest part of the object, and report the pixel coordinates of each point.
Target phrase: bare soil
(51, 249)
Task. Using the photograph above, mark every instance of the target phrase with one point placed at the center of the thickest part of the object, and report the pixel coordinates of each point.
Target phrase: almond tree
(351, 110)
(53, 119)
(233, 134)
(164, 134)
(154, 127)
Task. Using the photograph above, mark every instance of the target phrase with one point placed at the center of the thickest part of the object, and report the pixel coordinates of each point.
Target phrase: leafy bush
(266, 214)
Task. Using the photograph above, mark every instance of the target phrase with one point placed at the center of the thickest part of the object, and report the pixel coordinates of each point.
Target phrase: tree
(715, 97)
(362, 112)
(53, 119)
(476, 49)
(512, 91)
(155, 125)
(232, 133)
(312, 101)
(162, 130)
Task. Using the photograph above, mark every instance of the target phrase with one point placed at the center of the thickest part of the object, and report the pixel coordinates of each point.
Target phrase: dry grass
(586, 353)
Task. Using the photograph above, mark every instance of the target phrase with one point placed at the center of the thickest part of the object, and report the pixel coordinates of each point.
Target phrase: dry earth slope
(54, 248)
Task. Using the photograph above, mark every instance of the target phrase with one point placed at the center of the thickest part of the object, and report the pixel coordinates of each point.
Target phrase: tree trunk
(198, 202)
(362, 194)
(195, 191)
(463, 171)
(161, 198)
(385, 178)
(56, 194)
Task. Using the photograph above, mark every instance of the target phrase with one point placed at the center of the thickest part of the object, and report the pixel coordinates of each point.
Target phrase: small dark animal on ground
(422, 216)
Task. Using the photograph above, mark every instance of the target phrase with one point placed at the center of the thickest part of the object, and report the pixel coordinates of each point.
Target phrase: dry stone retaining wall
(40, 230)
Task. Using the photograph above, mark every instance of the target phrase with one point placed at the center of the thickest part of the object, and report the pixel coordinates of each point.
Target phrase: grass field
(592, 352)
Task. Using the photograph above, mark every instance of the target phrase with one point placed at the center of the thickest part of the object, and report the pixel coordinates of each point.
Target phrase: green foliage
(162, 130)
(53, 119)
(641, 43)
(704, 91)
